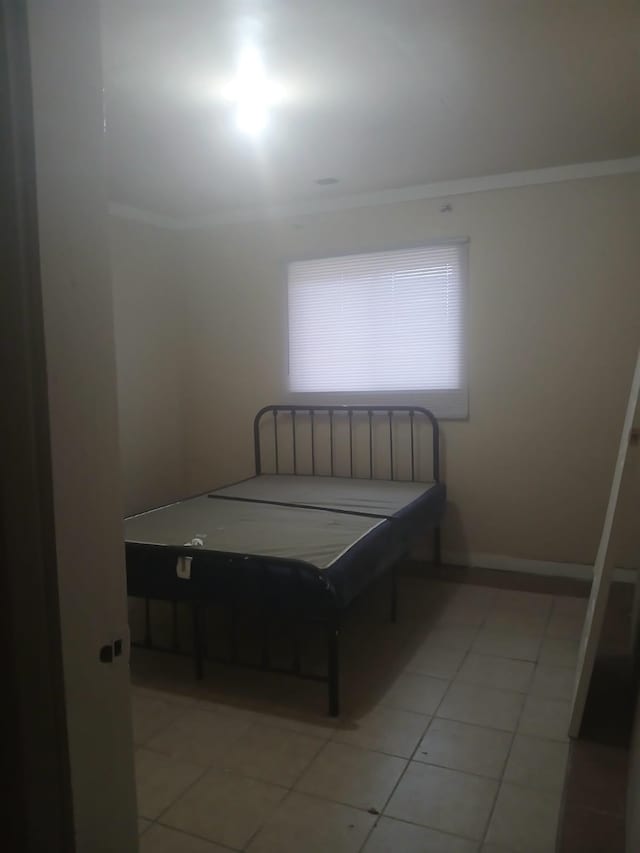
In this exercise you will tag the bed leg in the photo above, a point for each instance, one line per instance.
(297, 661)
(174, 625)
(147, 623)
(233, 634)
(197, 641)
(266, 648)
(334, 666)
(394, 594)
(437, 547)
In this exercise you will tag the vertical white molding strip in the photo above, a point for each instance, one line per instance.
(602, 570)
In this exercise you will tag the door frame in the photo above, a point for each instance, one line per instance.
(38, 801)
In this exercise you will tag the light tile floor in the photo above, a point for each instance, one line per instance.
(453, 736)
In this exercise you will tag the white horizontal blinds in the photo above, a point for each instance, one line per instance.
(377, 322)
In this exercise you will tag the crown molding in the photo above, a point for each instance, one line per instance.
(145, 217)
(441, 189)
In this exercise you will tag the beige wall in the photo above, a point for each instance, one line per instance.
(149, 306)
(554, 325)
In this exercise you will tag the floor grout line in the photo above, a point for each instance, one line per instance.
(393, 790)
(199, 837)
(499, 781)
(161, 730)
(402, 775)
(513, 738)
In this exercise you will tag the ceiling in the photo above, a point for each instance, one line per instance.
(379, 94)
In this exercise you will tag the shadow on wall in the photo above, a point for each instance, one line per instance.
(453, 537)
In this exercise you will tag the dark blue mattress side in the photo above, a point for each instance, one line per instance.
(151, 569)
(384, 546)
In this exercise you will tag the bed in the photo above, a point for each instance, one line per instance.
(339, 495)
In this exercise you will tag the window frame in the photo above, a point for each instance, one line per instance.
(446, 404)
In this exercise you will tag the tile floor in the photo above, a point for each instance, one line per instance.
(452, 736)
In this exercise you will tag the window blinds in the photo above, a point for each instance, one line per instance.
(387, 321)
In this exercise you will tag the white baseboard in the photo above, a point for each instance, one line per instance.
(578, 571)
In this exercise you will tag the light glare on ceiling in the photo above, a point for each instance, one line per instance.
(252, 93)
(251, 118)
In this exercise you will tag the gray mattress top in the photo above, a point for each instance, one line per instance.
(383, 498)
(318, 537)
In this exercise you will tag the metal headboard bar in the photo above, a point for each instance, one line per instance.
(390, 411)
(313, 446)
(350, 443)
(295, 456)
(391, 443)
(331, 438)
(413, 461)
(275, 432)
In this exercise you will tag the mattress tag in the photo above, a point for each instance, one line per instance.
(183, 568)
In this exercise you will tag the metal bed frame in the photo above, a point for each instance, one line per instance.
(289, 589)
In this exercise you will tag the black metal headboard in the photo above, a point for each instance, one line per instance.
(347, 441)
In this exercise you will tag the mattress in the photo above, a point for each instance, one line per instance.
(377, 498)
(314, 536)
(347, 530)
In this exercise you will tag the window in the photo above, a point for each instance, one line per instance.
(381, 323)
